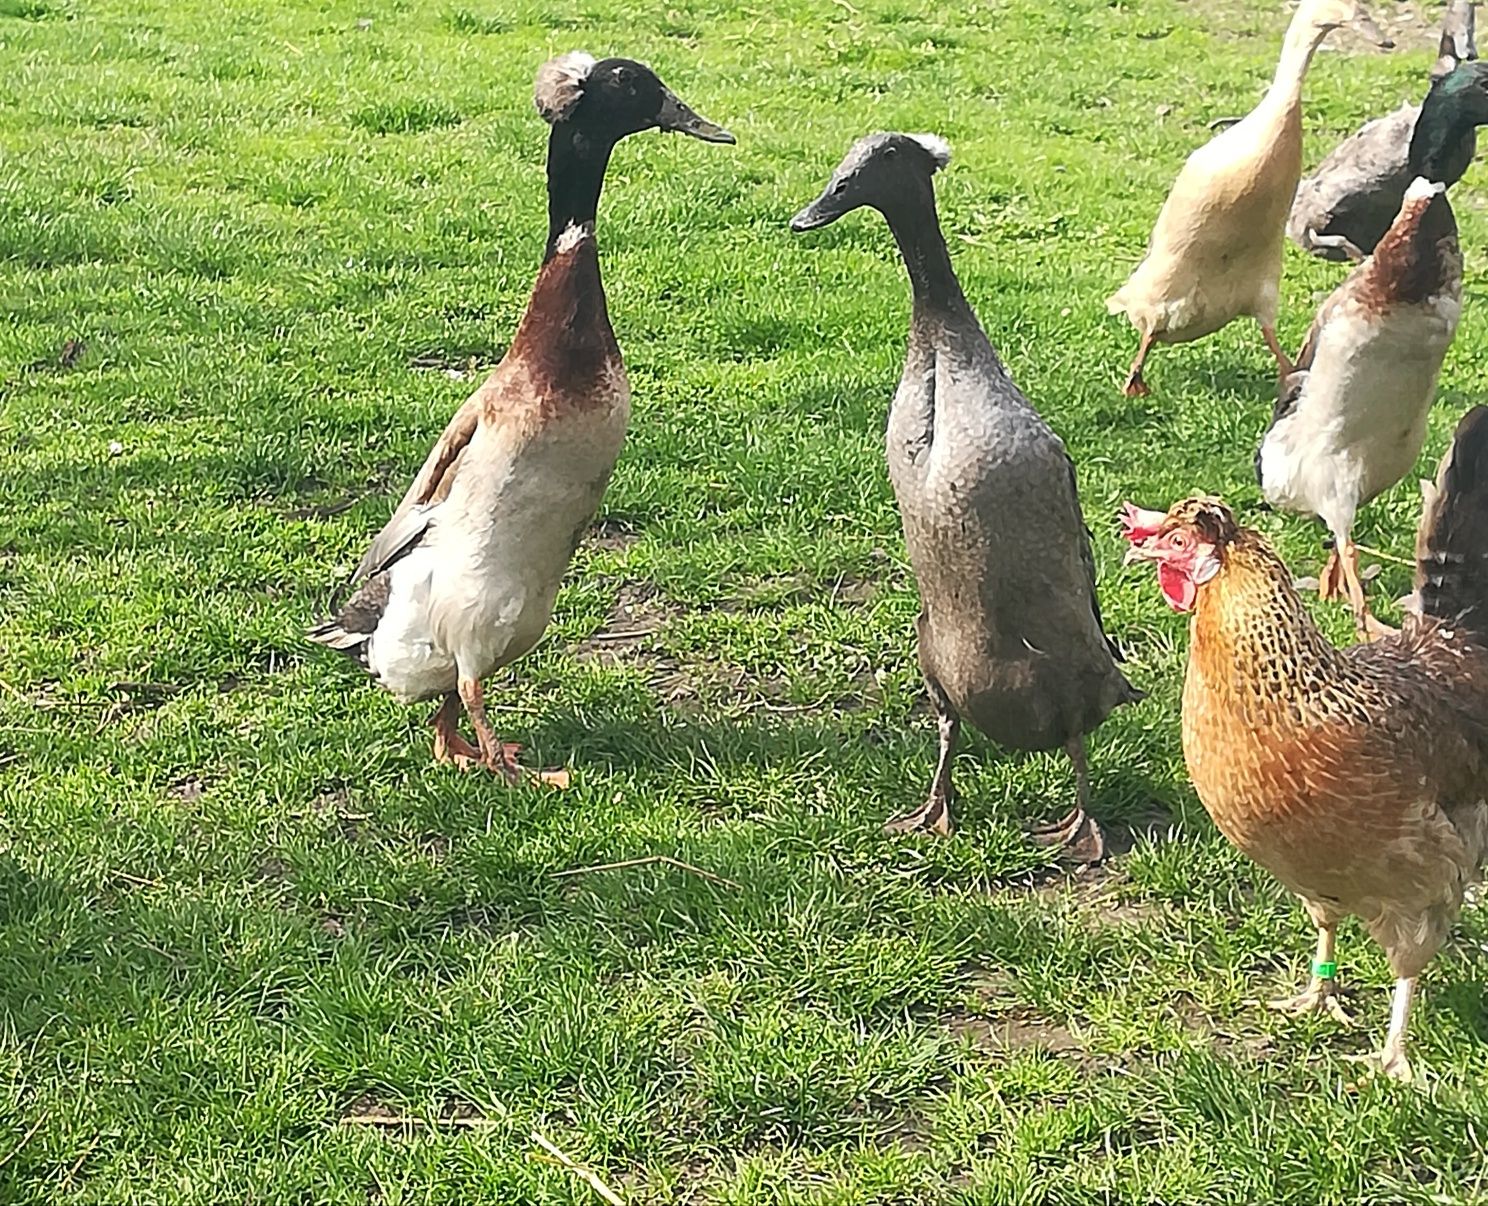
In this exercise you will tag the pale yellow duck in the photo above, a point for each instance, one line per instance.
(1215, 253)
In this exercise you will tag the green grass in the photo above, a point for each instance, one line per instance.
(238, 902)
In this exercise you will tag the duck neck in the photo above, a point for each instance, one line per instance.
(916, 228)
(1302, 41)
(577, 159)
(1443, 143)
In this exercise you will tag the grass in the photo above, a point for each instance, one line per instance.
(237, 902)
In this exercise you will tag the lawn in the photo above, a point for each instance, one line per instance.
(240, 908)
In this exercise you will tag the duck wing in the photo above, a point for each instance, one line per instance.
(430, 487)
(357, 619)
(1087, 558)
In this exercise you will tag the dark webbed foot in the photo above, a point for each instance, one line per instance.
(1076, 834)
(933, 816)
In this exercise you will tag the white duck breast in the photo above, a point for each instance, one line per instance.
(478, 591)
(1360, 421)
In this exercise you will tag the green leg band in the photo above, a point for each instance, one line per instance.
(1324, 971)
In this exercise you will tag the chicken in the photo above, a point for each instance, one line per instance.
(1356, 776)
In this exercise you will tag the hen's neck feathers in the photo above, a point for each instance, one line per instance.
(1251, 632)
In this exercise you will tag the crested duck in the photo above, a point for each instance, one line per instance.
(1350, 421)
(462, 579)
(1009, 630)
(1215, 252)
(1344, 208)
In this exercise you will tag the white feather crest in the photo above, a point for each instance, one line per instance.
(1421, 188)
(939, 148)
(560, 85)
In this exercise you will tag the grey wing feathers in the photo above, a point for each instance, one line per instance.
(1452, 542)
(430, 487)
(401, 533)
(1087, 557)
(356, 620)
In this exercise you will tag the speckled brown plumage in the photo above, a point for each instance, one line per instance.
(1355, 776)
(1359, 776)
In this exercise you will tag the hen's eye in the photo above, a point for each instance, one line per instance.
(1180, 541)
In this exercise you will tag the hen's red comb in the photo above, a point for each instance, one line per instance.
(1140, 525)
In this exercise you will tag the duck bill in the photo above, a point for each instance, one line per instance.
(821, 212)
(678, 118)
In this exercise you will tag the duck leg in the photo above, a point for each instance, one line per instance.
(449, 744)
(1077, 833)
(1135, 386)
(497, 756)
(1284, 366)
(1366, 626)
(934, 815)
(1331, 578)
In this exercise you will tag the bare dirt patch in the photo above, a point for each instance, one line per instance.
(629, 637)
(1018, 1030)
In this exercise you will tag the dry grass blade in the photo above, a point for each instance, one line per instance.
(374, 1115)
(588, 1176)
(399, 1121)
(1390, 557)
(649, 860)
(25, 1139)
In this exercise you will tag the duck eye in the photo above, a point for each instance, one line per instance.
(839, 188)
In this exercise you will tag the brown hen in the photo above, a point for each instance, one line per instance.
(1356, 776)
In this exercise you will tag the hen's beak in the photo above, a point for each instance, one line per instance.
(1140, 527)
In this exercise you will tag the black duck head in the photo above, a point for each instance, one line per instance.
(611, 98)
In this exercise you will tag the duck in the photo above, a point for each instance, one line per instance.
(1215, 253)
(1344, 208)
(1350, 421)
(462, 580)
(1009, 633)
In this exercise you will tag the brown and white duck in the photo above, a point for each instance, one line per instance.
(1350, 421)
(462, 580)
(1343, 209)
(1010, 630)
